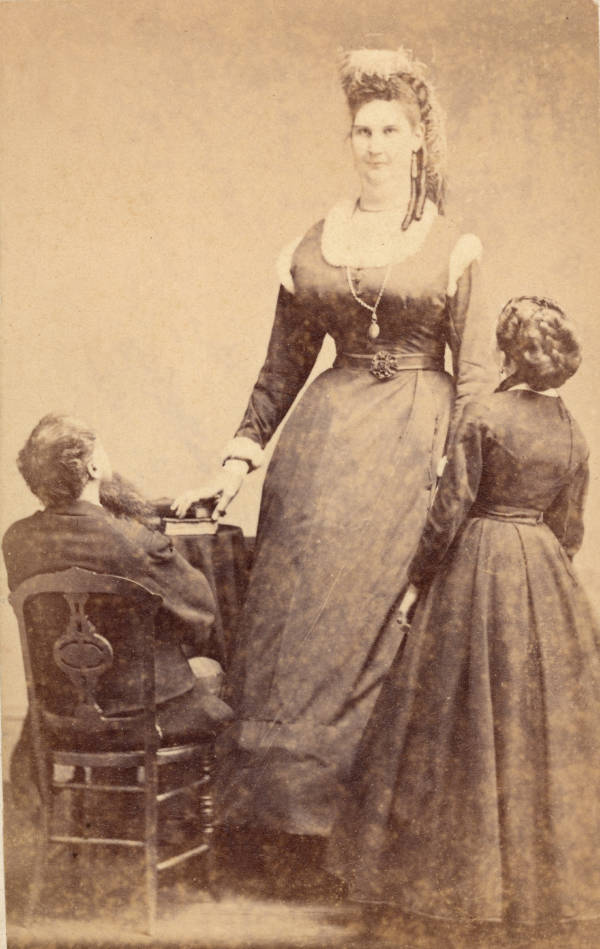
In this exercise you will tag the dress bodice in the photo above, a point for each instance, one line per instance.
(432, 298)
(412, 313)
(531, 448)
(516, 449)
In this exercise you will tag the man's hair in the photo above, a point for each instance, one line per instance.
(53, 460)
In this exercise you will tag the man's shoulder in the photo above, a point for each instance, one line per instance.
(24, 526)
(24, 547)
(123, 534)
(89, 537)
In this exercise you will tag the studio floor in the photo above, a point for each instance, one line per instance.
(101, 906)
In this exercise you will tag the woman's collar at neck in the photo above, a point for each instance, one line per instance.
(396, 245)
(507, 384)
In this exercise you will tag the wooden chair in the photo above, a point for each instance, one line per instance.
(77, 628)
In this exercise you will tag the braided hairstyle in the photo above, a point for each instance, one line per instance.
(540, 340)
(394, 75)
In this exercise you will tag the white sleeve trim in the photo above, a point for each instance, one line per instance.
(244, 448)
(441, 466)
(284, 265)
(467, 249)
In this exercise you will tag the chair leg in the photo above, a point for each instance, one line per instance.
(77, 814)
(45, 770)
(207, 818)
(211, 871)
(39, 868)
(151, 846)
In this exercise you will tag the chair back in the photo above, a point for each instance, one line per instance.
(88, 651)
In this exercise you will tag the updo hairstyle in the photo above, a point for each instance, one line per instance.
(537, 336)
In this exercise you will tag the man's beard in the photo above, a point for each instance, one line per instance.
(122, 498)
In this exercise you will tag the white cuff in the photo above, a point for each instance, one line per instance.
(245, 449)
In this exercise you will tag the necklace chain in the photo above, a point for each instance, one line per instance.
(373, 331)
(374, 327)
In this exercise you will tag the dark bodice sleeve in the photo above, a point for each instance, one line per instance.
(296, 339)
(456, 493)
(470, 333)
(564, 517)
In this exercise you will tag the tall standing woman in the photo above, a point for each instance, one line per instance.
(350, 483)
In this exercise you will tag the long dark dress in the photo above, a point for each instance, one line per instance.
(476, 790)
(344, 502)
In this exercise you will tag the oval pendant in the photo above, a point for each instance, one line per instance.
(373, 331)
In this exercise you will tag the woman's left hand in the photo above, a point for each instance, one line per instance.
(408, 601)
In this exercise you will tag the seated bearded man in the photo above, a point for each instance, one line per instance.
(96, 520)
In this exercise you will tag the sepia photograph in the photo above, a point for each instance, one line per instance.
(300, 509)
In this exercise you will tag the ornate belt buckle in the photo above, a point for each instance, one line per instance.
(384, 365)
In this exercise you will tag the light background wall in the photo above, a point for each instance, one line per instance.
(158, 154)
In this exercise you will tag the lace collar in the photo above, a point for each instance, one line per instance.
(391, 245)
(523, 385)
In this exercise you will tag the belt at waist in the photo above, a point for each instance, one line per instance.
(511, 515)
(385, 364)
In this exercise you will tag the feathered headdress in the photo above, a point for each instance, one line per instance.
(368, 74)
(385, 63)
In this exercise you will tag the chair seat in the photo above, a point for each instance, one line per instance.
(124, 739)
(192, 717)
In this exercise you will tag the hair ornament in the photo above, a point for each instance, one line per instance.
(385, 63)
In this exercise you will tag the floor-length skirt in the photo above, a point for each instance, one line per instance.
(344, 503)
(476, 790)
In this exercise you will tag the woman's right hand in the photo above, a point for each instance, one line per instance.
(224, 487)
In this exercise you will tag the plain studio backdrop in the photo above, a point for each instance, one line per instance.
(159, 153)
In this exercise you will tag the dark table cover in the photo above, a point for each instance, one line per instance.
(224, 558)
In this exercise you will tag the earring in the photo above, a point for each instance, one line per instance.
(422, 174)
(414, 175)
(414, 165)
